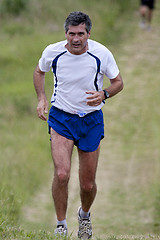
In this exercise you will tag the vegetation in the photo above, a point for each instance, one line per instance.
(13, 7)
(132, 128)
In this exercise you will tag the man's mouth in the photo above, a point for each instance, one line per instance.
(76, 45)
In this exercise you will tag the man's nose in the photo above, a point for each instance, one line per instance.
(76, 38)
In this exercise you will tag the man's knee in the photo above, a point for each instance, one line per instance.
(62, 176)
(88, 186)
(143, 10)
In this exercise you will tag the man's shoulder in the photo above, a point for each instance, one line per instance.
(55, 48)
(96, 46)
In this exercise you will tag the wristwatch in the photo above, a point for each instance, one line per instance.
(106, 94)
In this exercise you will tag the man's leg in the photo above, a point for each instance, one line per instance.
(143, 11)
(150, 12)
(87, 173)
(143, 14)
(61, 149)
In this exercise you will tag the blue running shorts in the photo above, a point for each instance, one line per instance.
(86, 132)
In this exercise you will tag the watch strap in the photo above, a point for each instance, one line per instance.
(106, 94)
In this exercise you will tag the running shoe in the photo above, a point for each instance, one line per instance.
(85, 226)
(142, 25)
(61, 230)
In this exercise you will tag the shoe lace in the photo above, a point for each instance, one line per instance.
(60, 229)
(85, 227)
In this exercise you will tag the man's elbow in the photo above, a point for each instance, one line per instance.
(121, 86)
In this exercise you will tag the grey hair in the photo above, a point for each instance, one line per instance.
(76, 18)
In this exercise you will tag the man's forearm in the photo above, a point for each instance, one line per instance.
(39, 82)
(116, 86)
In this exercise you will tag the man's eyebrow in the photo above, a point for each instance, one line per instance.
(70, 32)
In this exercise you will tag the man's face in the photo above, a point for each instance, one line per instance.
(77, 37)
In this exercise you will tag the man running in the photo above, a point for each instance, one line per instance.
(76, 118)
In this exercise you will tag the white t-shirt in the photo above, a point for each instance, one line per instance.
(76, 74)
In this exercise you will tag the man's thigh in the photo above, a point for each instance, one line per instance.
(88, 162)
(61, 149)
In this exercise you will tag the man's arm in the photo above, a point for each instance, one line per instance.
(97, 97)
(116, 86)
(39, 82)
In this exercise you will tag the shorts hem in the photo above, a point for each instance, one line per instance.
(91, 149)
(59, 132)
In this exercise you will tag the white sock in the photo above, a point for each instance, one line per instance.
(84, 214)
(63, 222)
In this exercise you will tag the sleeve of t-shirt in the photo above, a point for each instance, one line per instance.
(111, 68)
(45, 62)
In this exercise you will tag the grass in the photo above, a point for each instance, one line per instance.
(128, 201)
(20, 234)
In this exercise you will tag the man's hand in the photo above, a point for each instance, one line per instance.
(42, 108)
(95, 98)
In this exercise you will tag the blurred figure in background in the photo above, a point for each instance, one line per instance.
(146, 12)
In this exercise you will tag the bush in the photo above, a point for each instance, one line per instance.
(14, 7)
